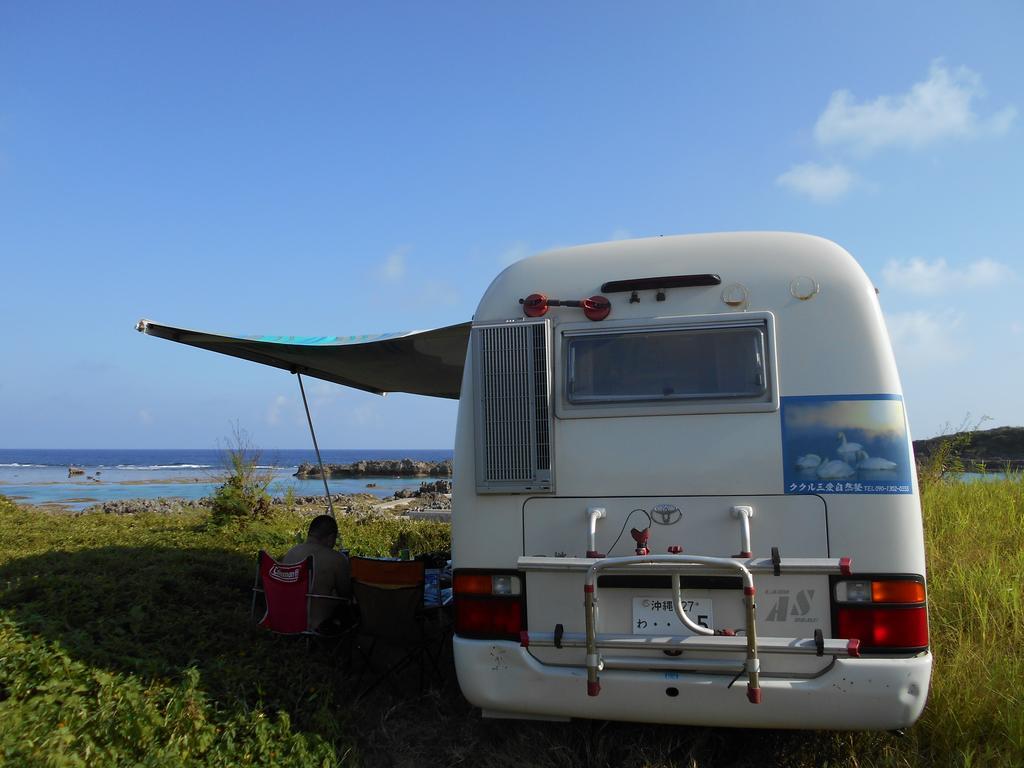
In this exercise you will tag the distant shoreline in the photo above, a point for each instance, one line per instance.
(183, 480)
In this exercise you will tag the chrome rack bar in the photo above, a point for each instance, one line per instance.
(842, 648)
(826, 566)
(744, 514)
(713, 666)
(594, 664)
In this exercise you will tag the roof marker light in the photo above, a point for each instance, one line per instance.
(804, 288)
(535, 305)
(596, 307)
(735, 295)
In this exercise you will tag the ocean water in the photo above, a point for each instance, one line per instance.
(40, 476)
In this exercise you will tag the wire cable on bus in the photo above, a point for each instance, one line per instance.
(628, 517)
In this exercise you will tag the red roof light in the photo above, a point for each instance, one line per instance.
(596, 307)
(535, 305)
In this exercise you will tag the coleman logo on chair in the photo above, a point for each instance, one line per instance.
(287, 574)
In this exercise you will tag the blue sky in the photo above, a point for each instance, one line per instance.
(328, 168)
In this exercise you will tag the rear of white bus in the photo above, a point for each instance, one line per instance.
(622, 475)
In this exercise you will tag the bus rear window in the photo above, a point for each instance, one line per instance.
(665, 365)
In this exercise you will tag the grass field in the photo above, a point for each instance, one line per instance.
(124, 640)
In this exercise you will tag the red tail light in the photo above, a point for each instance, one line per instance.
(490, 618)
(886, 613)
(880, 628)
(489, 606)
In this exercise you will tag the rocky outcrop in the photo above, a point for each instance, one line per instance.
(435, 488)
(991, 449)
(431, 489)
(382, 468)
(161, 506)
(435, 501)
(344, 503)
(438, 486)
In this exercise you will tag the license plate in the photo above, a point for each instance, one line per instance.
(657, 616)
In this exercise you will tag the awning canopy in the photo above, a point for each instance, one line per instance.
(418, 362)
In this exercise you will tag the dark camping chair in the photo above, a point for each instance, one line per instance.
(393, 624)
(288, 593)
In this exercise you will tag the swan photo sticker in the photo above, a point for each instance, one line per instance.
(845, 444)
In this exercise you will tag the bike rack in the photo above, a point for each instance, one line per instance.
(704, 639)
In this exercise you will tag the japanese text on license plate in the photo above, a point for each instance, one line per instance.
(657, 616)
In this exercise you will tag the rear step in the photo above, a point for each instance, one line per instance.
(704, 639)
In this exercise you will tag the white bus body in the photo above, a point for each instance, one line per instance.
(684, 485)
(740, 395)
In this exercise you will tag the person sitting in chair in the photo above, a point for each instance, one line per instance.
(331, 574)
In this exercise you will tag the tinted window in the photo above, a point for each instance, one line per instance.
(677, 364)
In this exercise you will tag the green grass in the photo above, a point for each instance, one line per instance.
(124, 640)
(975, 544)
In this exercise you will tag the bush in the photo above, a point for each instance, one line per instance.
(244, 490)
(944, 461)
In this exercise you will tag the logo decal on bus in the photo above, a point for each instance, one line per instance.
(784, 610)
(852, 444)
(666, 514)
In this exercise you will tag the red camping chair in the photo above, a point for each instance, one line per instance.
(288, 592)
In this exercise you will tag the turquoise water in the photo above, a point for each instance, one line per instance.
(80, 494)
(41, 476)
(985, 476)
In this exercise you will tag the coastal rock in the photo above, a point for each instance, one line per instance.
(161, 506)
(436, 501)
(344, 503)
(379, 467)
(437, 486)
(981, 449)
(427, 490)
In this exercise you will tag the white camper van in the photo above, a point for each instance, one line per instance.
(684, 487)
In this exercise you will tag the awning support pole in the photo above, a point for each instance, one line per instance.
(323, 475)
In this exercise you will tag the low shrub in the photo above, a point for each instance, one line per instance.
(244, 490)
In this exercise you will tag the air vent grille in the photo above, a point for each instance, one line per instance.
(541, 408)
(513, 425)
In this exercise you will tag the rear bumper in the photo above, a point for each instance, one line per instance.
(853, 694)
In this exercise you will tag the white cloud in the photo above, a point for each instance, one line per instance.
(322, 394)
(514, 253)
(322, 388)
(393, 267)
(363, 415)
(924, 339)
(435, 293)
(821, 183)
(932, 278)
(620, 234)
(275, 409)
(145, 416)
(941, 107)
